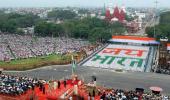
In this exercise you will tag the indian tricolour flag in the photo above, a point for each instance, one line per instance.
(168, 46)
(134, 39)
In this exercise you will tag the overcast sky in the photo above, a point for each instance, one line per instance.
(81, 3)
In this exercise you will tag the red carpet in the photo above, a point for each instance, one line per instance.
(53, 95)
(50, 95)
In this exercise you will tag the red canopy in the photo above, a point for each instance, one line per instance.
(157, 89)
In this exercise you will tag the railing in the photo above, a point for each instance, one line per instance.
(67, 94)
(91, 55)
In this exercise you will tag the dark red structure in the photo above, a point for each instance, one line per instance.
(132, 27)
(117, 13)
(108, 15)
(122, 15)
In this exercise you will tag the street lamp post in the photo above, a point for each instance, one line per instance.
(156, 3)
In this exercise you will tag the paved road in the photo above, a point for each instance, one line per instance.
(108, 78)
(151, 23)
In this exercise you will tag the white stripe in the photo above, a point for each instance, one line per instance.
(135, 41)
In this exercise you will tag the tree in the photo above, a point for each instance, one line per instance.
(162, 29)
(158, 32)
(99, 34)
(40, 29)
(10, 22)
(81, 31)
(48, 29)
(150, 31)
(62, 14)
(68, 27)
(95, 22)
(129, 18)
(57, 30)
(117, 28)
(19, 31)
(9, 26)
(83, 11)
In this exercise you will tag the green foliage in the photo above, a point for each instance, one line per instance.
(62, 14)
(99, 34)
(83, 11)
(95, 22)
(129, 18)
(150, 31)
(161, 30)
(8, 26)
(19, 31)
(48, 29)
(165, 18)
(81, 30)
(117, 28)
(93, 29)
(10, 22)
(68, 27)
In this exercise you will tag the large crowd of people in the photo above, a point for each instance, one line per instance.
(131, 95)
(120, 94)
(163, 71)
(14, 46)
(15, 85)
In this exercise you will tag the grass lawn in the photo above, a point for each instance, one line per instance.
(30, 63)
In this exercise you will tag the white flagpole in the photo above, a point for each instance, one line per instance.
(72, 65)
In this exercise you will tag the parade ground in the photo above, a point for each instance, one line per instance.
(108, 78)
